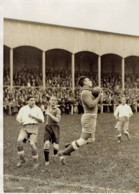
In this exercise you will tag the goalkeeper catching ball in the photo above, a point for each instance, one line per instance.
(88, 119)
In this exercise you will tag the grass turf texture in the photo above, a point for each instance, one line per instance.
(103, 166)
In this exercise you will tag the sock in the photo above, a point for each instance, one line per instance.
(128, 135)
(46, 155)
(21, 155)
(68, 150)
(55, 152)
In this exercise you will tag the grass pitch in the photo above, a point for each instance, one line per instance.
(100, 167)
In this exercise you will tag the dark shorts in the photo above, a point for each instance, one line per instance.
(52, 133)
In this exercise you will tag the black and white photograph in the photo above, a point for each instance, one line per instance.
(70, 96)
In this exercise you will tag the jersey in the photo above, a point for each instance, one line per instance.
(123, 111)
(23, 117)
(56, 113)
(89, 102)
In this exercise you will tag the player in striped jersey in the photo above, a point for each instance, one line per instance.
(52, 129)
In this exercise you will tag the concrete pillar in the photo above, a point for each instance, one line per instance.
(123, 73)
(73, 77)
(73, 72)
(99, 71)
(11, 69)
(43, 69)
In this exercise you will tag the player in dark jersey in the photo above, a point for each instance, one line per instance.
(52, 129)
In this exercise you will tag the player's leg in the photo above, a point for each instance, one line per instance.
(126, 131)
(47, 140)
(76, 144)
(119, 126)
(56, 149)
(86, 121)
(33, 141)
(20, 148)
(55, 139)
(93, 126)
(46, 151)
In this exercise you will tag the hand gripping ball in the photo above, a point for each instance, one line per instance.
(96, 91)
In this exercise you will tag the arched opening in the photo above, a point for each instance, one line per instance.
(58, 68)
(27, 66)
(111, 71)
(132, 72)
(86, 63)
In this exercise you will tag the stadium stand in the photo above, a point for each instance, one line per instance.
(29, 81)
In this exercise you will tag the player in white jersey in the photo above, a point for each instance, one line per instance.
(122, 113)
(29, 116)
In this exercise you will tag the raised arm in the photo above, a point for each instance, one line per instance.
(87, 99)
(56, 118)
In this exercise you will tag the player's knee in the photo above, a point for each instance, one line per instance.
(80, 142)
(47, 145)
(118, 131)
(56, 146)
(126, 132)
(19, 143)
(119, 135)
(33, 145)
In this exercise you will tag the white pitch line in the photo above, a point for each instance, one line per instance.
(75, 184)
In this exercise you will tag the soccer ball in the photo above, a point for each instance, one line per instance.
(96, 91)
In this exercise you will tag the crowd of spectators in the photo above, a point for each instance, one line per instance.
(29, 82)
(33, 77)
(14, 100)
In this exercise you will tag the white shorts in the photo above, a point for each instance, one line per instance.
(88, 122)
(29, 132)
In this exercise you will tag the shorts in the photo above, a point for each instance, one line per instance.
(122, 124)
(88, 122)
(52, 133)
(29, 132)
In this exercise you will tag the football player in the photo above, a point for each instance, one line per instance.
(88, 119)
(29, 116)
(52, 129)
(122, 113)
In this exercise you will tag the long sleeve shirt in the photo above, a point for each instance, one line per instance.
(89, 102)
(23, 115)
(123, 111)
(56, 113)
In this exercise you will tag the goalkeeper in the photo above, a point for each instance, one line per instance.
(88, 119)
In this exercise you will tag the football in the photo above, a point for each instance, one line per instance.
(96, 91)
